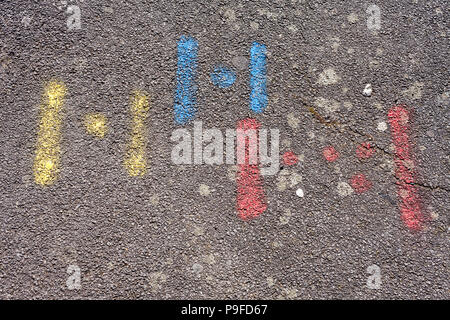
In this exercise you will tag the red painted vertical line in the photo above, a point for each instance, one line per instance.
(251, 199)
(399, 119)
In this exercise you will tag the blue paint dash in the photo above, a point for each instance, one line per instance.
(185, 95)
(258, 78)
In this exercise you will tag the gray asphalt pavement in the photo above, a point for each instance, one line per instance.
(174, 232)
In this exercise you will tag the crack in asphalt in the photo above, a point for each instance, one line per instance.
(343, 127)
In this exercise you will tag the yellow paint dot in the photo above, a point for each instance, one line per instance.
(96, 124)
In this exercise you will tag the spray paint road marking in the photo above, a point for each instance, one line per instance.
(360, 183)
(135, 158)
(365, 150)
(290, 158)
(185, 95)
(330, 154)
(408, 195)
(258, 78)
(48, 151)
(222, 76)
(251, 199)
(96, 124)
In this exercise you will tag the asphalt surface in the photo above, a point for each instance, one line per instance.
(174, 233)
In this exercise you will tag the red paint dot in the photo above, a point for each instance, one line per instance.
(365, 150)
(290, 158)
(360, 183)
(330, 154)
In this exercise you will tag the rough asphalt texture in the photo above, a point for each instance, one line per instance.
(158, 237)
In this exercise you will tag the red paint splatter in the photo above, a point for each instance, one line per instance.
(408, 195)
(251, 199)
(290, 158)
(365, 150)
(360, 183)
(330, 153)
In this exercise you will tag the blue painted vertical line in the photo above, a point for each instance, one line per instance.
(258, 78)
(185, 95)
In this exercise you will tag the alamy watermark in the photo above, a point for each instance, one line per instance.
(242, 146)
(74, 280)
(374, 18)
(74, 18)
(73, 12)
(374, 281)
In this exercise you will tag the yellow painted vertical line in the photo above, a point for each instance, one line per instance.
(135, 158)
(48, 151)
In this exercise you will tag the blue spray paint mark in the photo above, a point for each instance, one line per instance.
(222, 77)
(258, 78)
(185, 95)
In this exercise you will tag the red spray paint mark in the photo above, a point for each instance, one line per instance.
(290, 158)
(251, 199)
(408, 195)
(360, 183)
(330, 153)
(365, 150)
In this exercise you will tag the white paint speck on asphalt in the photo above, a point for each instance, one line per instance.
(204, 190)
(348, 105)
(270, 282)
(292, 28)
(352, 18)
(328, 105)
(254, 25)
(415, 91)
(230, 15)
(328, 76)
(344, 189)
(300, 193)
(292, 120)
(197, 268)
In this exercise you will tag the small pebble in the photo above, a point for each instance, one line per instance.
(382, 126)
(368, 90)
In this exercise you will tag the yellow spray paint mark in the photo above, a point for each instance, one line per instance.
(135, 159)
(96, 124)
(47, 157)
